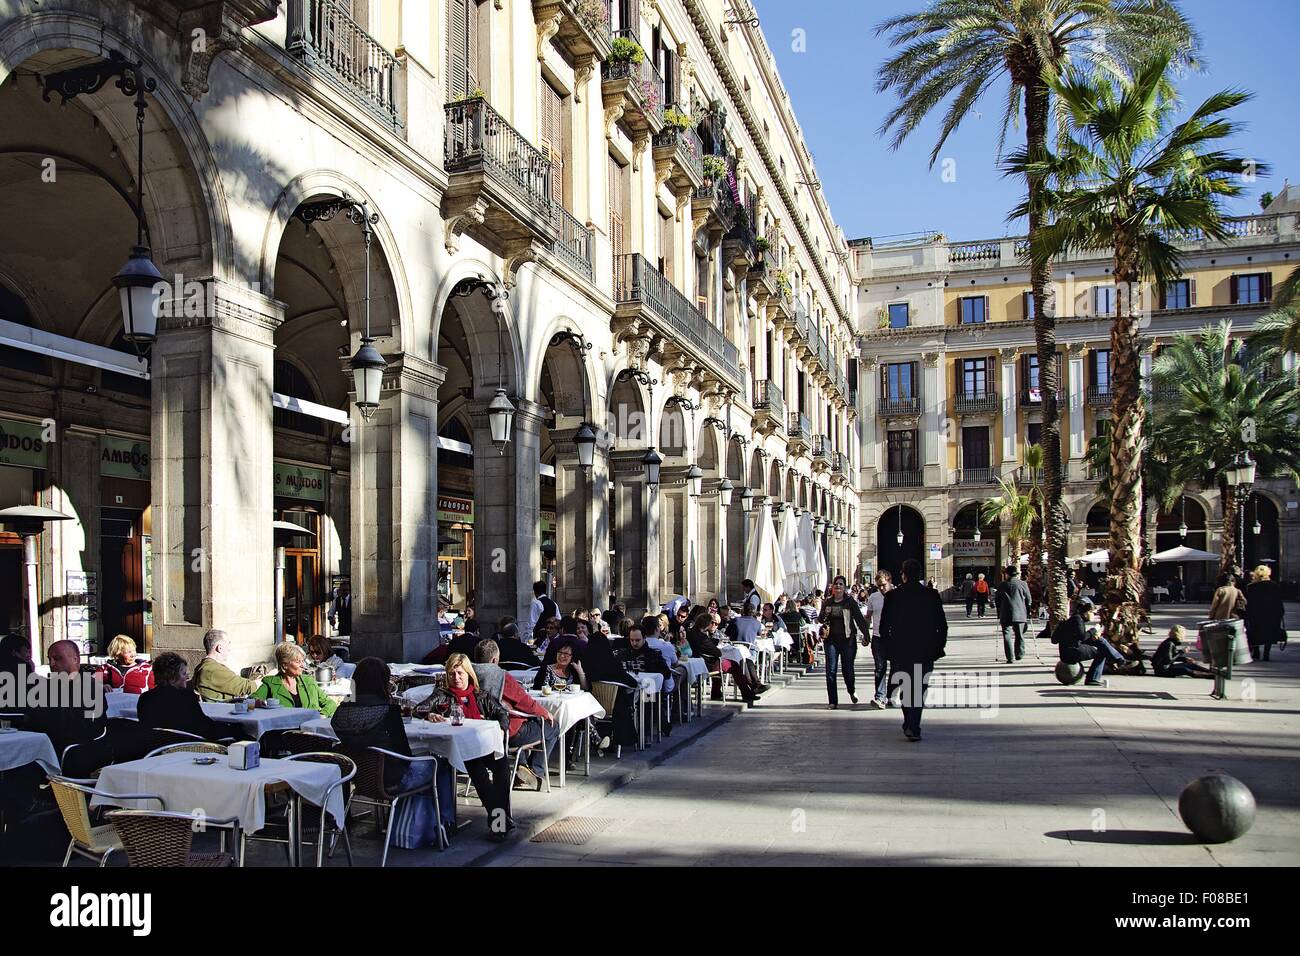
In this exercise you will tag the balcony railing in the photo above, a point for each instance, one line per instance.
(1237, 227)
(802, 330)
(975, 251)
(978, 476)
(584, 25)
(1034, 396)
(687, 150)
(768, 398)
(799, 427)
(1164, 393)
(889, 407)
(323, 36)
(1099, 396)
(646, 81)
(821, 447)
(900, 479)
(636, 280)
(839, 463)
(967, 402)
(715, 200)
(574, 246)
(478, 137)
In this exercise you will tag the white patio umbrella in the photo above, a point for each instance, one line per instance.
(1183, 553)
(1096, 557)
(807, 560)
(823, 572)
(763, 564)
(791, 556)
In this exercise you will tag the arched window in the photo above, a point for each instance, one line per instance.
(289, 380)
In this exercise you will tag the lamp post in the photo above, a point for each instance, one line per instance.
(28, 521)
(1241, 476)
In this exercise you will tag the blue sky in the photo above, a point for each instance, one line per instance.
(874, 191)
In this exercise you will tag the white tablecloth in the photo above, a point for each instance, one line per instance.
(651, 683)
(262, 719)
(474, 738)
(118, 703)
(783, 640)
(401, 670)
(569, 708)
(18, 748)
(765, 645)
(217, 790)
(696, 668)
(739, 653)
(339, 689)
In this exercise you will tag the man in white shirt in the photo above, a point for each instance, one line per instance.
(875, 608)
(541, 610)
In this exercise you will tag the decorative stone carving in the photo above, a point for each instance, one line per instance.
(1008, 355)
(547, 27)
(454, 227)
(583, 68)
(515, 259)
(213, 28)
(639, 146)
(931, 359)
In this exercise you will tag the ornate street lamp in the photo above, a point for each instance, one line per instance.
(652, 462)
(747, 500)
(695, 479)
(1241, 476)
(585, 440)
(725, 489)
(900, 527)
(501, 417)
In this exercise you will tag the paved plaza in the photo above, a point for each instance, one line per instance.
(1057, 776)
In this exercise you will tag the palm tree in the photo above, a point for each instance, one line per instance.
(1224, 402)
(956, 51)
(1034, 469)
(1129, 180)
(1015, 510)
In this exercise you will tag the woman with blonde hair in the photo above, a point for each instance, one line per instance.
(292, 686)
(121, 671)
(1265, 615)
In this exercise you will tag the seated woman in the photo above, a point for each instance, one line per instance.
(320, 652)
(1079, 643)
(372, 719)
(561, 667)
(1170, 658)
(490, 774)
(121, 671)
(291, 687)
(171, 705)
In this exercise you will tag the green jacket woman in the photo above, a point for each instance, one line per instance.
(292, 663)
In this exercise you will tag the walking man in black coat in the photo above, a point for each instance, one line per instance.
(914, 631)
(1013, 602)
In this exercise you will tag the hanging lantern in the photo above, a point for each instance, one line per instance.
(899, 539)
(501, 417)
(747, 501)
(585, 440)
(368, 377)
(1257, 527)
(652, 462)
(135, 287)
(725, 488)
(695, 480)
(976, 536)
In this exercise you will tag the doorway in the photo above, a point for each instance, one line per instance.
(304, 606)
(122, 575)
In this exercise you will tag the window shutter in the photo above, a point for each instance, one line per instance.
(676, 73)
(458, 85)
(1191, 292)
(986, 308)
(990, 375)
(884, 382)
(616, 208)
(1266, 286)
(550, 112)
(1232, 289)
(1024, 304)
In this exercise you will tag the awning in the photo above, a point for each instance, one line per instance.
(1183, 553)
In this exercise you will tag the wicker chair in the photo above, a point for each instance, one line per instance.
(371, 790)
(607, 696)
(96, 843)
(196, 746)
(164, 839)
(277, 830)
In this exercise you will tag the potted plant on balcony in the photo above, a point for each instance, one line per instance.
(715, 167)
(783, 283)
(594, 13)
(676, 119)
(761, 244)
(626, 50)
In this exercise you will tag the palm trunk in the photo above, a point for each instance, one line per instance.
(1228, 536)
(1036, 562)
(1040, 278)
(1124, 583)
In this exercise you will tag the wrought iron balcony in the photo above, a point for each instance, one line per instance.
(762, 274)
(840, 467)
(642, 292)
(636, 89)
(584, 26)
(966, 403)
(1034, 396)
(769, 405)
(800, 327)
(1099, 396)
(977, 476)
(493, 168)
(1164, 393)
(898, 407)
(900, 479)
(799, 432)
(1029, 476)
(821, 451)
(328, 41)
(574, 246)
(738, 246)
(714, 206)
(679, 154)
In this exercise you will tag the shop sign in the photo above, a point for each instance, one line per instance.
(936, 552)
(23, 443)
(123, 457)
(455, 510)
(969, 548)
(298, 481)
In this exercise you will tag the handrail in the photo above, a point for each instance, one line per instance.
(320, 33)
(478, 136)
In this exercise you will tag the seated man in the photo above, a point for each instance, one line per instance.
(637, 656)
(499, 684)
(61, 711)
(172, 705)
(513, 650)
(1078, 645)
(213, 679)
(1170, 658)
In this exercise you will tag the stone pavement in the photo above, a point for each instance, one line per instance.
(1053, 775)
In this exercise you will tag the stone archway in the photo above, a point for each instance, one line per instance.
(904, 520)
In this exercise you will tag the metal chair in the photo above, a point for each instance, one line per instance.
(93, 842)
(161, 838)
(196, 746)
(371, 790)
(517, 753)
(606, 695)
(280, 832)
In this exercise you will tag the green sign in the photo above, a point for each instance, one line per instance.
(298, 481)
(123, 458)
(455, 510)
(22, 443)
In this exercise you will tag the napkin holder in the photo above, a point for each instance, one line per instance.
(244, 755)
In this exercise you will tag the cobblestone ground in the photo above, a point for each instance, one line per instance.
(1052, 775)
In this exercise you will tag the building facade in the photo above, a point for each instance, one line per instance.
(602, 209)
(950, 397)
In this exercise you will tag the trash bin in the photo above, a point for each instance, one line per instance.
(1220, 641)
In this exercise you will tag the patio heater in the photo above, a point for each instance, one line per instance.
(284, 531)
(28, 521)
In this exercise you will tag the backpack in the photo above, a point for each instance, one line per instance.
(981, 587)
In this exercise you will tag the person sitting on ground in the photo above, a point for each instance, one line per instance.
(121, 671)
(1170, 658)
(1079, 643)
(373, 719)
(499, 684)
(213, 679)
(291, 686)
(173, 705)
(489, 774)
(322, 653)
(513, 650)
(1265, 615)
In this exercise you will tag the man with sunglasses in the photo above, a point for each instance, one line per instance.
(842, 624)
